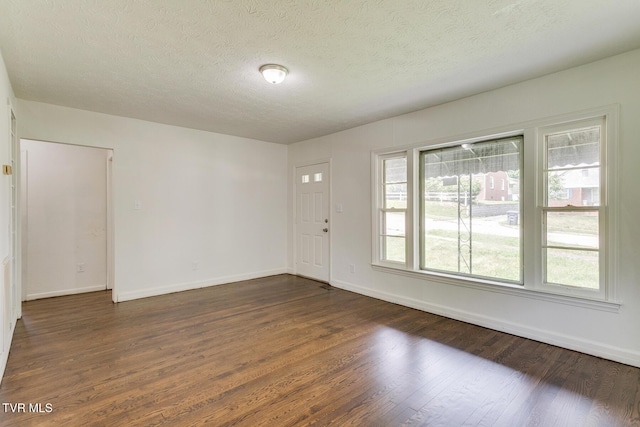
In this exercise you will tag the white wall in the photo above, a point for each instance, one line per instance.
(7, 308)
(212, 199)
(613, 335)
(65, 220)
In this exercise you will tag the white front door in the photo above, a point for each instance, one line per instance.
(312, 221)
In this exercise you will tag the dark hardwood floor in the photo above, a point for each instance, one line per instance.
(284, 351)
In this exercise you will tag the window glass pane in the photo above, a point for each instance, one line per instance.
(393, 248)
(394, 223)
(395, 170)
(395, 196)
(573, 229)
(395, 183)
(573, 268)
(305, 179)
(573, 148)
(575, 187)
(317, 177)
(470, 226)
(440, 244)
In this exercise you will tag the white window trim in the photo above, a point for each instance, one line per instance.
(378, 202)
(533, 287)
(602, 209)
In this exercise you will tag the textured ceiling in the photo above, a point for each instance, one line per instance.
(195, 63)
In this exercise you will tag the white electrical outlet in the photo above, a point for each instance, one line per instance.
(137, 204)
(80, 268)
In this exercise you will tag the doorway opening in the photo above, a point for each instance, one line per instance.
(67, 223)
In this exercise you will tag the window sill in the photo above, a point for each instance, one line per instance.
(504, 288)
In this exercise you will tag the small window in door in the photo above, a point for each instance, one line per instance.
(305, 179)
(317, 177)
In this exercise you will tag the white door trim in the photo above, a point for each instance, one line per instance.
(16, 223)
(110, 232)
(295, 205)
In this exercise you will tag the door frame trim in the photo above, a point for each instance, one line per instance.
(294, 237)
(14, 216)
(110, 231)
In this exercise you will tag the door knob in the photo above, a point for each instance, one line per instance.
(325, 230)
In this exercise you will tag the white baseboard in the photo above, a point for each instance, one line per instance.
(179, 287)
(550, 337)
(72, 291)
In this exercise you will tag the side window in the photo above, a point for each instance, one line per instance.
(572, 206)
(393, 208)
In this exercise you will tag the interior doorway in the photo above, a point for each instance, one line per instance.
(66, 219)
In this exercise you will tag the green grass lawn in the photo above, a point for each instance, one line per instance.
(579, 224)
(499, 257)
(491, 256)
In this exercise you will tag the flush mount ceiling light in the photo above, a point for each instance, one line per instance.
(274, 73)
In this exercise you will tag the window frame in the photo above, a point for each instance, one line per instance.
(604, 223)
(488, 182)
(532, 185)
(381, 209)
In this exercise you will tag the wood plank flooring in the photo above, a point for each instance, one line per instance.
(284, 351)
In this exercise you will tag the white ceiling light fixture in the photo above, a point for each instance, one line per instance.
(274, 73)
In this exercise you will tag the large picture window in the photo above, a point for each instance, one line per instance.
(468, 225)
(530, 209)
